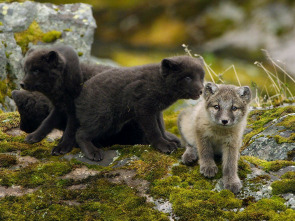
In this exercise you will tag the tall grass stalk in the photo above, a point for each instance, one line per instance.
(281, 89)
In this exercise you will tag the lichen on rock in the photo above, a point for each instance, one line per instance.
(27, 24)
(272, 133)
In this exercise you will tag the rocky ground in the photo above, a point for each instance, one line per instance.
(139, 183)
(132, 182)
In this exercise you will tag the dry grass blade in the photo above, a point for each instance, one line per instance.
(269, 74)
(274, 63)
(264, 96)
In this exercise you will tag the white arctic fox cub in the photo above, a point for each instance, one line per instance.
(215, 127)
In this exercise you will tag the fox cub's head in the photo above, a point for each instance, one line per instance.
(184, 76)
(226, 105)
(43, 68)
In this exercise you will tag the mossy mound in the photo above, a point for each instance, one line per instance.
(55, 196)
(258, 119)
(7, 160)
(269, 165)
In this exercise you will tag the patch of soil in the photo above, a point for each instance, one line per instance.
(15, 191)
(128, 177)
(80, 173)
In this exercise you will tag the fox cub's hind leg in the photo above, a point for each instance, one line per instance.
(190, 155)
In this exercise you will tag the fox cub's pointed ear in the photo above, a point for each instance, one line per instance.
(52, 57)
(245, 93)
(168, 65)
(210, 88)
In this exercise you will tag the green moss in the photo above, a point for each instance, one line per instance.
(289, 175)
(283, 186)
(291, 154)
(7, 160)
(243, 168)
(288, 214)
(226, 199)
(7, 54)
(153, 165)
(35, 174)
(11, 146)
(171, 122)
(279, 139)
(34, 34)
(9, 120)
(101, 200)
(260, 179)
(1, 23)
(51, 36)
(248, 200)
(288, 122)
(162, 188)
(264, 209)
(129, 150)
(194, 204)
(190, 204)
(39, 152)
(5, 89)
(180, 170)
(269, 165)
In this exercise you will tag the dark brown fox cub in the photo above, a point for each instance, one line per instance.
(113, 98)
(56, 73)
(34, 107)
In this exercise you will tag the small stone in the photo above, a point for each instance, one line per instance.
(80, 173)
(291, 203)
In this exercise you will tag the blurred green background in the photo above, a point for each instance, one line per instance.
(225, 33)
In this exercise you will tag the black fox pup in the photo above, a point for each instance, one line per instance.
(34, 107)
(115, 97)
(56, 73)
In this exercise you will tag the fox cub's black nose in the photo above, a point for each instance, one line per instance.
(224, 122)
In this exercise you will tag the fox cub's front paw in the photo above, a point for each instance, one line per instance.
(33, 138)
(234, 186)
(208, 170)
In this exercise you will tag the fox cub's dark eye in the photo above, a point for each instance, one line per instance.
(188, 79)
(234, 108)
(216, 107)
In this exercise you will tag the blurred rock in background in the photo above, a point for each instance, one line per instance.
(24, 25)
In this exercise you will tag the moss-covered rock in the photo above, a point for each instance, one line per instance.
(265, 209)
(33, 35)
(272, 133)
(44, 24)
(269, 165)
